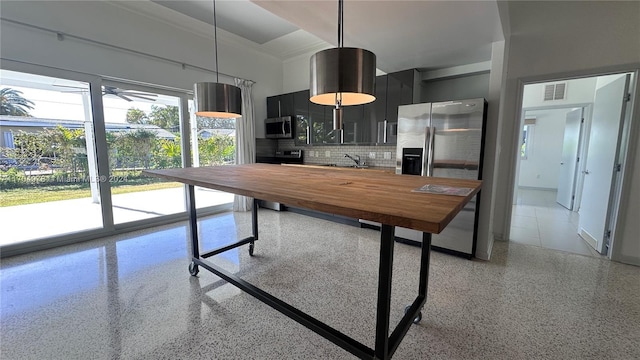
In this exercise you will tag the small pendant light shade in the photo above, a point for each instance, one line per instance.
(218, 100)
(347, 74)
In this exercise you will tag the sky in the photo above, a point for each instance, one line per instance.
(68, 105)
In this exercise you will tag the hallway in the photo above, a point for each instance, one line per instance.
(538, 220)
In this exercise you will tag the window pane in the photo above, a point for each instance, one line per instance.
(143, 132)
(213, 143)
(48, 171)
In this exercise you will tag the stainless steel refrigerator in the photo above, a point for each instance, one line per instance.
(444, 139)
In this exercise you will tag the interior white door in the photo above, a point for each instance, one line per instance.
(604, 138)
(569, 161)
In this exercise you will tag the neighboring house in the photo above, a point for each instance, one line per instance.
(10, 125)
(208, 133)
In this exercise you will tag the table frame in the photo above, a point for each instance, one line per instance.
(385, 343)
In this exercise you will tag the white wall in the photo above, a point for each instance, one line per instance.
(541, 168)
(117, 25)
(295, 73)
(581, 38)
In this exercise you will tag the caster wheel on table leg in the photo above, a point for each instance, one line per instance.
(193, 269)
(418, 317)
(251, 246)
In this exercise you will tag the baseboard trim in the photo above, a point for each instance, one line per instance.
(631, 260)
(588, 238)
(537, 188)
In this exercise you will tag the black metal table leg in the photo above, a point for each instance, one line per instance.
(425, 260)
(254, 225)
(254, 218)
(384, 292)
(193, 228)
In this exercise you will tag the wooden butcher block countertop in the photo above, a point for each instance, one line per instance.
(371, 195)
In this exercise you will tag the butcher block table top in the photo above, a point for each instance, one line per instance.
(370, 195)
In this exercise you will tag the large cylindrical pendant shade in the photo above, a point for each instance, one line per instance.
(218, 100)
(350, 72)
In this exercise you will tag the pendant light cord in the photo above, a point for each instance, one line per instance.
(340, 42)
(340, 24)
(215, 40)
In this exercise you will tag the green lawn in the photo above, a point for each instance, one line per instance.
(32, 195)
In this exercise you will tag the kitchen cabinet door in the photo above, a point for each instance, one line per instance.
(376, 111)
(301, 111)
(399, 92)
(273, 105)
(353, 124)
(318, 123)
(286, 105)
(280, 105)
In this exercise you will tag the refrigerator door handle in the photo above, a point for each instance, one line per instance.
(425, 161)
(430, 138)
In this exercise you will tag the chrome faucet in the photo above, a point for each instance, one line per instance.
(355, 160)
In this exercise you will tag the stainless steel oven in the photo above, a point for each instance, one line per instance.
(279, 128)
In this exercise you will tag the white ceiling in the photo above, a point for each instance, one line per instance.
(240, 17)
(403, 34)
(422, 34)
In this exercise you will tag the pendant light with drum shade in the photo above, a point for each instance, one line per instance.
(342, 76)
(214, 99)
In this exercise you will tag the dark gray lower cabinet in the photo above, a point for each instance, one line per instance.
(326, 216)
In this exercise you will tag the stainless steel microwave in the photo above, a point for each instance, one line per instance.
(279, 128)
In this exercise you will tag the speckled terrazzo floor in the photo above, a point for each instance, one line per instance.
(131, 297)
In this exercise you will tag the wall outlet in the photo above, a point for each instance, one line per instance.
(387, 155)
(327, 153)
(372, 155)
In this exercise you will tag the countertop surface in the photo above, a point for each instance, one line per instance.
(370, 195)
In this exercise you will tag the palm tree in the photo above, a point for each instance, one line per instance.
(12, 103)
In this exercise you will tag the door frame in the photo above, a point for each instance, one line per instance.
(628, 142)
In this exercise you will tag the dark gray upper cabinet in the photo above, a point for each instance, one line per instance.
(376, 111)
(373, 123)
(392, 90)
(301, 117)
(280, 105)
(321, 120)
(356, 131)
(399, 92)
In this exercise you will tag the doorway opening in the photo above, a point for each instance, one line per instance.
(573, 140)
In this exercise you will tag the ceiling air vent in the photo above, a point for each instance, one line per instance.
(555, 91)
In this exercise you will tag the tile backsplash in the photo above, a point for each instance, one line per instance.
(371, 155)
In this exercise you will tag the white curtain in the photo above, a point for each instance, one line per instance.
(245, 139)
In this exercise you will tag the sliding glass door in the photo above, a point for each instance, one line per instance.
(57, 127)
(142, 132)
(48, 179)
